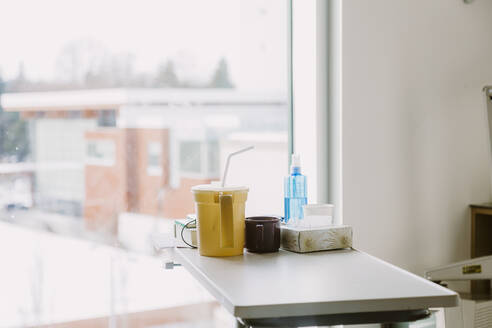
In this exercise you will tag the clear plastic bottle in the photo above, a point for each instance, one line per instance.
(295, 193)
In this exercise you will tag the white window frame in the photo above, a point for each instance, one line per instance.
(101, 161)
(316, 97)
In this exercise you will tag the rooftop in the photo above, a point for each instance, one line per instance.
(101, 99)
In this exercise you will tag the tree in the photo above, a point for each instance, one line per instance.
(166, 76)
(221, 77)
(112, 71)
(21, 75)
(79, 59)
(86, 63)
(13, 133)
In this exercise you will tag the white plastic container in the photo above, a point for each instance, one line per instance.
(317, 215)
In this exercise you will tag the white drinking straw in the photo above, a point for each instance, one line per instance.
(229, 159)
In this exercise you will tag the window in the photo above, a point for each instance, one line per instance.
(154, 165)
(105, 125)
(100, 152)
(190, 157)
(199, 159)
(106, 118)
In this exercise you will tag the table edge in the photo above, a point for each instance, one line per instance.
(327, 308)
(298, 309)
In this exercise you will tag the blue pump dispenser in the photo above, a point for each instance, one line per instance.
(295, 192)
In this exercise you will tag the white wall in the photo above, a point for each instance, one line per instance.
(414, 137)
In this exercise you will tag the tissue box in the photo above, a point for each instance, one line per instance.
(189, 233)
(302, 240)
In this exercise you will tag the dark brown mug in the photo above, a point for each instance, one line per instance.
(262, 234)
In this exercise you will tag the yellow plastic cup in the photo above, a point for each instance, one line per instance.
(220, 219)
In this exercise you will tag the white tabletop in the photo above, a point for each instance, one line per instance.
(289, 284)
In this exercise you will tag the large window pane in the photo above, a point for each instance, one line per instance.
(110, 112)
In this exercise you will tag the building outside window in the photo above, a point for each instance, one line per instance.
(190, 157)
(213, 158)
(154, 160)
(100, 152)
(199, 159)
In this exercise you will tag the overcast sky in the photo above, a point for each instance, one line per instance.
(196, 33)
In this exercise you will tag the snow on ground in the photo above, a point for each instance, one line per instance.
(47, 278)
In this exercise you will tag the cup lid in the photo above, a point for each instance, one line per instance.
(216, 186)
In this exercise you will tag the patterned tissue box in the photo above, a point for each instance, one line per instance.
(302, 240)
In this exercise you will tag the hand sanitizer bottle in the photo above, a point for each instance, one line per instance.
(295, 192)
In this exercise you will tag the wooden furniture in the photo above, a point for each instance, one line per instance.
(481, 241)
(321, 288)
